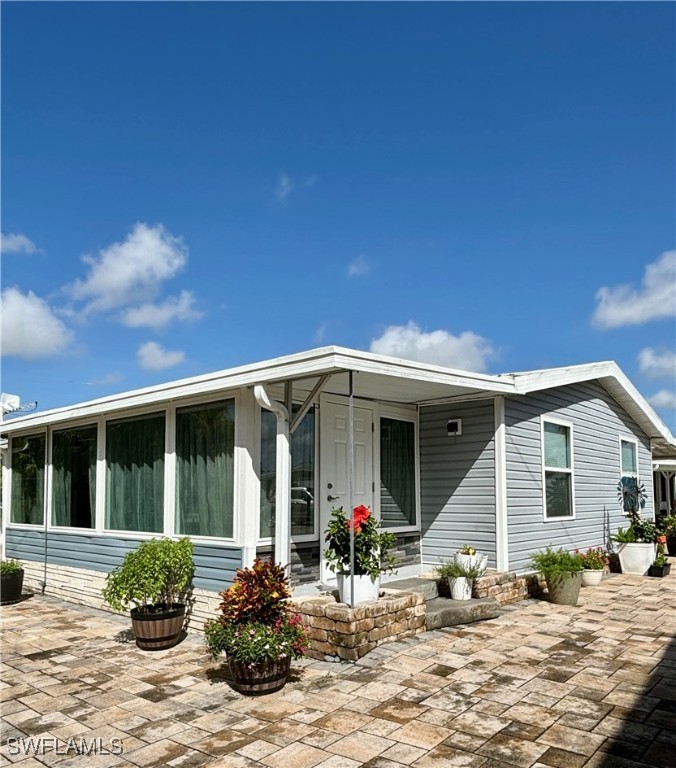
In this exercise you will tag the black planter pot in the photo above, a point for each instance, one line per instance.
(11, 586)
(659, 571)
(265, 677)
(671, 545)
(158, 629)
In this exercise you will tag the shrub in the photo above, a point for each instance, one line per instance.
(453, 570)
(557, 561)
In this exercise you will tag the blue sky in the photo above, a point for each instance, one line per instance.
(188, 187)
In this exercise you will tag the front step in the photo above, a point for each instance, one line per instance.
(442, 611)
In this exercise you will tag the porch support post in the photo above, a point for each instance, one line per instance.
(350, 480)
(501, 532)
(282, 553)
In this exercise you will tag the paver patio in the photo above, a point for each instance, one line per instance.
(542, 685)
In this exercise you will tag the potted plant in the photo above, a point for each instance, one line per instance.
(636, 544)
(11, 581)
(256, 631)
(371, 553)
(468, 557)
(660, 566)
(153, 582)
(594, 561)
(460, 578)
(668, 525)
(563, 573)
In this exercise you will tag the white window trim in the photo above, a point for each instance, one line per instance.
(569, 470)
(628, 439)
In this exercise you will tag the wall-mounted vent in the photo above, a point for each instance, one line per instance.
(454, 427)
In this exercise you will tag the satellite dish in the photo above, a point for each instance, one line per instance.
(12, 404)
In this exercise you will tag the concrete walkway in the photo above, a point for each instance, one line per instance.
(542, 685)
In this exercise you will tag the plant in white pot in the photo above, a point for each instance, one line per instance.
(636, 544)
(460, 578)
(594, 561)
(371, 553)
(468, 557)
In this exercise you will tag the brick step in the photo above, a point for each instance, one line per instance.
(444, 612)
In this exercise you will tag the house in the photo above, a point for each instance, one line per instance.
(252, 460)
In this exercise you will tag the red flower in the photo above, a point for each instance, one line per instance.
(662, 539)
(361, 515)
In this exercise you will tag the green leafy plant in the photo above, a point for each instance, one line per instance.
(10, 566)
(452, 570)
(467, 550)
(594, 559)
(624, 536)
(153, 577)
(256, 624)
(667, 525)
(632, 496)
(371, 547)
(557, 561)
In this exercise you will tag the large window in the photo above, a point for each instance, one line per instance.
(135, 474)
(397, 473)
(558, 469)
(205, 447)
(28, 479)
(302, 475)
(74, 477)
(628, 458)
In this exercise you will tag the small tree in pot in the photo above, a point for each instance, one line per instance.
(153, 583)
(563, 573)
(11, 581)
(637, 543)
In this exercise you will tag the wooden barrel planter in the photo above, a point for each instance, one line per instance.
(158, 630)
(11, 587)
(260, 679)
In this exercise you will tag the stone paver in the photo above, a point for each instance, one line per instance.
(542, 686)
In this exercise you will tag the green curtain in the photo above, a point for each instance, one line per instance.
(205, 448)
(397, 473)
(135, 474)
(28, 479)
(74, 477)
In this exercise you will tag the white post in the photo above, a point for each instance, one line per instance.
(350, 481)
(501, 532)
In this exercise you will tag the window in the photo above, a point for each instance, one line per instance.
(74, 477)
(558, 469)
(205, 449)
(302, 475)
(397, 473)
(28, 479)
(135, 474)
(628, 458)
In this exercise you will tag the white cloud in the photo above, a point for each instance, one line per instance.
(468, 351)
(320, 333)
(655, 364)
(158, 316)
(359, 267)
(131, 271)
(30, 328)
(107, 380)
(653, 300)
(665, 398)
(17, 244)
(284, 187)
(153, 357)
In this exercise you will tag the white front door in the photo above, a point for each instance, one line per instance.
(334, 463)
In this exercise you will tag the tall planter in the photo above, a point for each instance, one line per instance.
(158, 631)
(461, 588)
(261, 678)
(11, 586)
(364, 588)
(564, 587)
(636, 557)
(470, 561)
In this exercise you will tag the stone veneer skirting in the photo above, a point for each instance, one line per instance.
(338, 632)
(508, 587)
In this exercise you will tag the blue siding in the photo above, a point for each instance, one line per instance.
(215, 565)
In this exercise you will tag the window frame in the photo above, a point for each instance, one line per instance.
(633, 441)
(546, 419)
(96, 424)
(9, 476)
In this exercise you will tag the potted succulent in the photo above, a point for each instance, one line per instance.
(460, 578)
(153, 582)
(257, 632)
(660, 566)
(11, 581)
(563, 573)
(636, 544)
(594, 561)
(371, 553)
(468, 557)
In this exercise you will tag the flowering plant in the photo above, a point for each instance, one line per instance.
(594, 559)
(256, 624)
(661, 559)
(467, 550)
(371, 547)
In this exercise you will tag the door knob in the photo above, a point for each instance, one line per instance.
(332, 498)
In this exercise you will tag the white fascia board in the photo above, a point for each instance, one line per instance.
(315, 362)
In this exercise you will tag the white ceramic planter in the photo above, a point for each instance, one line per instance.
(470, 561)
(364, 588)
(636, 558)
(591, 578)
(461, 588)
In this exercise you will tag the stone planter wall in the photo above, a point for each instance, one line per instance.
(338, 632)
(509, 587)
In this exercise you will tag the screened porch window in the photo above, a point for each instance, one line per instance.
(28, 479)
(74, 477)
(205, 449)
(302, 475)
(628, 458)
(397, 473)
(135, 474)
(558, 470)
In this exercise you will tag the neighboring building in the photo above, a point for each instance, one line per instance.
(507, 463)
